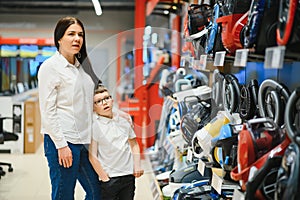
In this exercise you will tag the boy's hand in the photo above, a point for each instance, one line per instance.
(138, 173)
(104, 178)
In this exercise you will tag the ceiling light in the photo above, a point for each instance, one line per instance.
(97, 7)
(166, 12)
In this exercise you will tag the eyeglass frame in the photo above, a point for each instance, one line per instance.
(100, 101)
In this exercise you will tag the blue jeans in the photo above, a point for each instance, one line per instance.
(63, 180)
(119, 188)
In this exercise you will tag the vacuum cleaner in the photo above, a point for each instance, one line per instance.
(198, 17)
(231, 93)
(288, 177)
(234, 18)
(203, 190)
(248, 106)
(214, 40)
(184, 176)
(288, 31)
(227, 143)
(194, 120)
(272, 98)
(260, 30)
(259, 139)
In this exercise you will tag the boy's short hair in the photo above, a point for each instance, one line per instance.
(100, 89)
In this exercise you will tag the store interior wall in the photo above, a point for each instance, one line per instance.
(101, 34)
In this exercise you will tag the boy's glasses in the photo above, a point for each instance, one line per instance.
(101, 101)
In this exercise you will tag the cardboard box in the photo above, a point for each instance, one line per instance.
(32, 125)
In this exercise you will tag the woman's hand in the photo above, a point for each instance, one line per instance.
(65, 157)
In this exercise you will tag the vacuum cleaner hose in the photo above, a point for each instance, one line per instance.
(289, 115)
(272, 85)
(231, 91)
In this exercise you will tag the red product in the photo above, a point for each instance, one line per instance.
(283, 36)
(232, 26)
(254, 153)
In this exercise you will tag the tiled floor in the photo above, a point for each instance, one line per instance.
(30, 181)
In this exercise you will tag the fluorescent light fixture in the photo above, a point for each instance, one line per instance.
(97, 7)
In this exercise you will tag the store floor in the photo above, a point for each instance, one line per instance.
(30, 181)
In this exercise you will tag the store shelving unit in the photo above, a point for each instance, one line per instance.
(20, 59)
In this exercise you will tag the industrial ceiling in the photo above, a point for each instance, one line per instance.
(58, 6)
(40, 7)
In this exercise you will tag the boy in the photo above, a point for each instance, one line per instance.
(114, 151)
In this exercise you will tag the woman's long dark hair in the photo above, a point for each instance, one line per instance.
(60, 29)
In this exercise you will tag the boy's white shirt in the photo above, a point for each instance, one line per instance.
(114, 152)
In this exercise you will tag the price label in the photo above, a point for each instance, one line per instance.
(237, 195)
(219, 58)
(203, 61)
(216, 183)
(274, 57)
(191, 62)
(201, 167)
(182, 61)
(189, 155)
(241, 56)
(197, 64)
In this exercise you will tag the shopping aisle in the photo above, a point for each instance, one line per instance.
(30, 181)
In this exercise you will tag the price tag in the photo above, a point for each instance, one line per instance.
(216, 183)
(197, 64)
(189, 155)
(237, 195)
(241, 56)
(274, 57)
(191, 62)
(201, 167)
(182, 61)
(219, 58)
(203, 61)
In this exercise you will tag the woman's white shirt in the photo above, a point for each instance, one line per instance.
(66, 101)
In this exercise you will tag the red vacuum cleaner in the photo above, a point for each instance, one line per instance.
(235, 17)
(258, 140)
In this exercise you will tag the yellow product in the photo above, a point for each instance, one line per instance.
(212, 130)
(214, 126)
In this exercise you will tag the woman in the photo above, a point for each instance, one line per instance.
(66, 84)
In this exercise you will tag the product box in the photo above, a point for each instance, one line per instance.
(32, 125)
